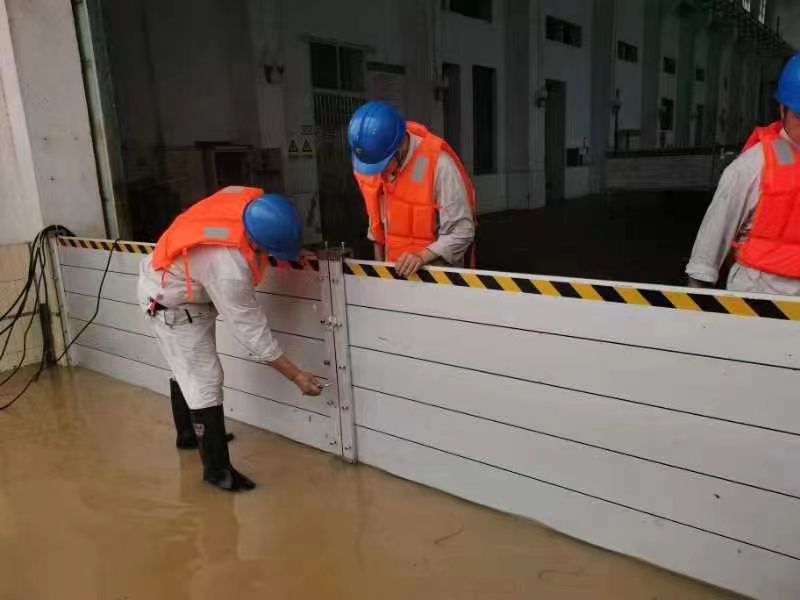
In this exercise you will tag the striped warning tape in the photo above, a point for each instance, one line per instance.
(140, 248)
(786, 310)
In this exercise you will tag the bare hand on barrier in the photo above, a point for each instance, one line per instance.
(409, 263)
(306, 254)
(308, 384)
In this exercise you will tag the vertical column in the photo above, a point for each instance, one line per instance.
(343, 433)
(19, 202)
(518, 83)
(536, 106)
(54, 109)
(713, 78)
(602, 88)
(97, 78)
(651, 72)
(686, 75)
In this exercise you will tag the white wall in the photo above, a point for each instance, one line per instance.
(474, 42)
(629, 29)
(668, 88)
(48, 160)
(573, 66)
(723, 110)
(789, 12)
(22, 216)
(699, 92)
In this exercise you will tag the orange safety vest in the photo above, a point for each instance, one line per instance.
(773, 243)
(214, 221)
(410, 205)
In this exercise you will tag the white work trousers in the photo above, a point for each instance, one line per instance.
(189, 344)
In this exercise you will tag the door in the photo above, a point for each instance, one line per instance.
(555, 139)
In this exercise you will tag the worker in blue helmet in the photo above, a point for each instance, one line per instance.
(419, 198)
(752, 224)
(208, 263)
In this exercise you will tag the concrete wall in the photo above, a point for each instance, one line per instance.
(789, 13)
(573, 66)
(628, 76)
(470, 42)
(47, 169)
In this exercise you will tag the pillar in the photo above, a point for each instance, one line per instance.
(536, 109)
(47, 160)
(603, 60)
(686, 77)
(651, 72)
(713, 82)
(517, 109)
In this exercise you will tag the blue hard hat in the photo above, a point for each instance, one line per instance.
(375, 133)
(274, 225)
(788, 92)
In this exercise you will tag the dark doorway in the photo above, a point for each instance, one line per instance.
(555, 139)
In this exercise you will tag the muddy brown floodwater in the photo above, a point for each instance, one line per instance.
(96, 503)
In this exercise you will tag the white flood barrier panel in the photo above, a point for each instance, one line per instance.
(657, 422)
(120, 343)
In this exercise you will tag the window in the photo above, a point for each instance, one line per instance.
(666, 113)
(700, 74)
(476, 9)
(564, 32)
(762, 12)
(627, 52)
(484, 120)
(337, 67)
(669, 65)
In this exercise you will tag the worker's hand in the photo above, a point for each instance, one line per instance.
(307, 384)
(306, 254)
(409, 263)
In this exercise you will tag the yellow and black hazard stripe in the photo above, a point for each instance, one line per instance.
(786, 310)
(130, 247)
(142, 248)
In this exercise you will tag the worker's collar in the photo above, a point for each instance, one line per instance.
(785, 136)
(413, 142)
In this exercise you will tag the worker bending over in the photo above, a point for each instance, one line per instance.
(419, 198)
(755, 212)
(209, 262)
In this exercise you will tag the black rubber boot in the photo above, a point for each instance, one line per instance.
(209, 428)
(185, 439)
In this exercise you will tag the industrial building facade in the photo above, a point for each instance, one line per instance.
(543, 99)
(533, 94)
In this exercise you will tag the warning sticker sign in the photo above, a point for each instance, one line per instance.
(307, 149)
(293, 149)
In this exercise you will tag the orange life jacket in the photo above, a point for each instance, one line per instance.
(214, 221)
(755, 137)
(410, 205)
(773, 243)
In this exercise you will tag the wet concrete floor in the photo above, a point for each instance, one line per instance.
(96, 503)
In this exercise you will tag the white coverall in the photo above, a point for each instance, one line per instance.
(456, 227)
(729, 218)
(221, 284)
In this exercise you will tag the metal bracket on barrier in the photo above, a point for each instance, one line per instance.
(331, 261)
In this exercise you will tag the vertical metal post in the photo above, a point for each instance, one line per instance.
(326, 321)
(61, 296)
(331, 267)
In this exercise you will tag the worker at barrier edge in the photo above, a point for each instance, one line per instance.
(753, 221)
(209, 262)
(419, 198)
